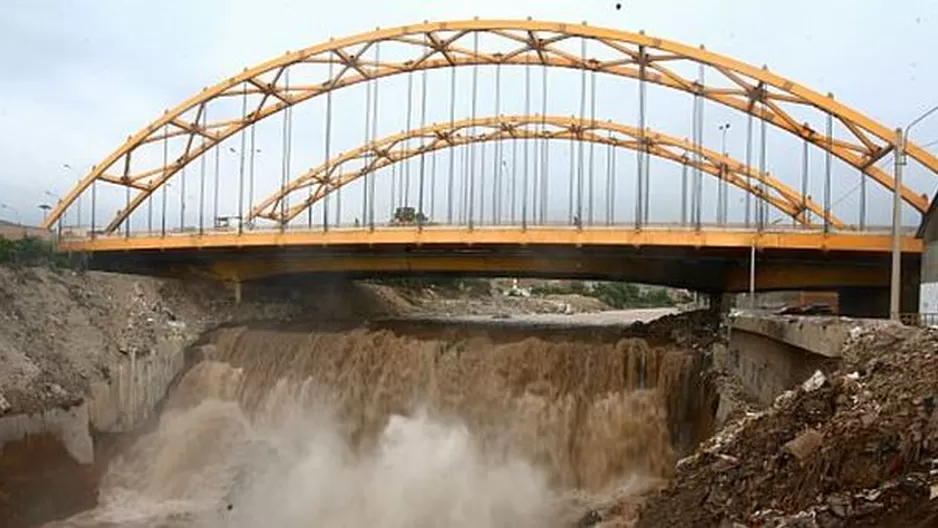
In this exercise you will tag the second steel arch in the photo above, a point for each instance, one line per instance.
(335, 173)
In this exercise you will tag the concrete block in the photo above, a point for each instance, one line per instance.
(824, 336)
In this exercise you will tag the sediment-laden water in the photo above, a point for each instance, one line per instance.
(333, 428)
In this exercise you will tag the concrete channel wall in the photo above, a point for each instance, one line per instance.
(119, 405)
(823, 336)
(771, 354)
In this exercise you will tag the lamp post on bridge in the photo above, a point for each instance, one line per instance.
(69, 168)
(723, 128)
(721, 189)
(45, 213)
(251, 152)
(895, 287)
(46, 208)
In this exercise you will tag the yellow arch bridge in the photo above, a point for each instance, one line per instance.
(450, 155)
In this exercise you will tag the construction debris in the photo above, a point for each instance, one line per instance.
(857, 448)
(804, 444)
(815, 382)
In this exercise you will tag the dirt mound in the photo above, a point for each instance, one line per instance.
(858, 449)
(68, 338)
(698, 329)
(390, 299)
(61, 330)
(483, 299)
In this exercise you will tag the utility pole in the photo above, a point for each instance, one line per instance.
(896, 272)
(752, 275)
(895, 279)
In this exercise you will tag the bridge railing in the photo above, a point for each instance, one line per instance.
(83, 232)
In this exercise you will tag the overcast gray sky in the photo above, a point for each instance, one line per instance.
(80, 76)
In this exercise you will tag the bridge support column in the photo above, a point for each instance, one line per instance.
(720, 302)
(237, 291)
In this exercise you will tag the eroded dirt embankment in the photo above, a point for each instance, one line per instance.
(85, 354)
(62, 332)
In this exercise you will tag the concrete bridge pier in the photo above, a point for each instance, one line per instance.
(720, 302)
(237, 285)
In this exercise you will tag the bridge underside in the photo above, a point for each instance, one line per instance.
(704, 268)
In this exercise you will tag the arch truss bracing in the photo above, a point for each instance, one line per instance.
(265, 90)
(339, 171)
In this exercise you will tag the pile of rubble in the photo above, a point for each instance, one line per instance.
(857, 448)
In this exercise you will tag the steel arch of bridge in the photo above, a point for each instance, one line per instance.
(347, 167)
(757, 91)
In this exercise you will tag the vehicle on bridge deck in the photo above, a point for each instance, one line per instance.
(408, 216)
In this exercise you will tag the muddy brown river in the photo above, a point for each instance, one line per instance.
(519, 422)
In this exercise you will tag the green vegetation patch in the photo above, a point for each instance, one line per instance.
(33, 251)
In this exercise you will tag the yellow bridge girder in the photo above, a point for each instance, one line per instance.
(706, 259)
(769, 276)
(500, 236)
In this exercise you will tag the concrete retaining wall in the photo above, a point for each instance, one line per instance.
(767, 367)
(824, 336)
(771, 353)
(70, 425)
(136, 387)
(928, 292)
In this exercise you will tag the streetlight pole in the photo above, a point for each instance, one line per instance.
(723, 128)
(46, 208)
(501, 178)
(722, 198)
(69, 168)
(896, 270)
(895, 279)
(752, 274)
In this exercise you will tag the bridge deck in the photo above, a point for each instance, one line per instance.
(876, 242)
(705, 260)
